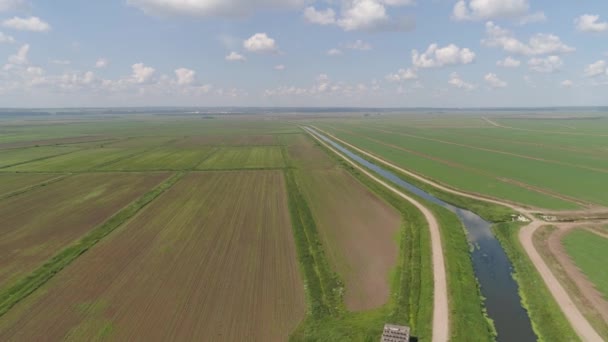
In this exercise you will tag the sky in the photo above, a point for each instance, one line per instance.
(354, 53)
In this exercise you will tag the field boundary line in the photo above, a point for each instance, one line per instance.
(41, 158)
(441, 323)
(12, 295)
(34, 186)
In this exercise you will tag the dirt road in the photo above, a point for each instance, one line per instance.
(579, 323)
(441, 322)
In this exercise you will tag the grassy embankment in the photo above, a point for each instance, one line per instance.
(24, 287)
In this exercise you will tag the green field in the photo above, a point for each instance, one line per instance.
(82, 160)
(244, 157)
(590, 253)
(540, 169)
(169, 158)
(22, 155)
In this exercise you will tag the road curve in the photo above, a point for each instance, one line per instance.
(579, 323)
(441, 323)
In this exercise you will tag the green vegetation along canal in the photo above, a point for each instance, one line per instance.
(490, 262)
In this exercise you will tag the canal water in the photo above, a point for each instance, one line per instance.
(490, 262)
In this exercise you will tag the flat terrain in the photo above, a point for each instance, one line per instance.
(244, 158)
(589, 252)
(359, 230)
(81, 160)
(545, 168)
(21, 155)
(169, 158)
(37, 224)
(211, 259)
(10, 182)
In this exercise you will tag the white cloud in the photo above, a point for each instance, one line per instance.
(509, 62)
(547, 65)
(590, 23)
(141, 73)
(334, 52)
(34, 24)
(566, 84)
(456, 81)
(402, 75)
(6, 5)
(358, 45)
(596, 69)
(325, 17)
(260, 42)
(185, 76)
(4, 38)
(235, 57)
(20, 57)
(539, 44)
(493, 81)
(435, 57)
(495, 9)
(279, 67)
(371, 15)
(102, 63)
(212, 8)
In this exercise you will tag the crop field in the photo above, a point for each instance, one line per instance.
(227, 140)
(169, 158)
(212, 258)
(358, 229)
(37, 224)
(23, 155)
(244, 157)
(547, 169)
(589, 252)
(82, 160)
(11, 182)
(222, 227)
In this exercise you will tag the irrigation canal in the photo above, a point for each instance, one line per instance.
(490, 262)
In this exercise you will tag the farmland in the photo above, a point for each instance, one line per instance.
(244, 157)
(179, 227)
(37, 224)
(199, 262)
(358, 229)
(589, 252)
(533, 168)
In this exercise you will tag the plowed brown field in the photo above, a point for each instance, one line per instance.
(359, 230)
(36, 225)
(212, 259)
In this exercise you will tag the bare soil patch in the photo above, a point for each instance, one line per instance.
(359, 230)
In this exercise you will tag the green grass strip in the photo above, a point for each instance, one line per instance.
(11, 296)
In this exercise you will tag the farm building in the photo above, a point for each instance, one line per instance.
(395, 333)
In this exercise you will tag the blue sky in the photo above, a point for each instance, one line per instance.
(387, 53)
